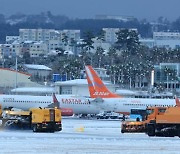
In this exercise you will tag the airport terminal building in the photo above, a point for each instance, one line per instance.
(11, 79)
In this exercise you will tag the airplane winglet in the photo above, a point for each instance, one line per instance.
(96, 86)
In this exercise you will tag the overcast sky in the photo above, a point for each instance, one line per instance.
(150, 9)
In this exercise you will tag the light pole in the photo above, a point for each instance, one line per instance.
(16, 74)
(167, 82)
(152, 81)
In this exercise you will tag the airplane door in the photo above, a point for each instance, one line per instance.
(115, 107)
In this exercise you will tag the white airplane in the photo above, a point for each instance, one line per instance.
(68, 104)
(109, 101)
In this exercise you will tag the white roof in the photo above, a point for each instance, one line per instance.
(37, 67)
(34, 89)
(125, 92)
(73, 82)
(76, 82)
(28, 41)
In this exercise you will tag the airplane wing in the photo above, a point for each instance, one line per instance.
(50, 105)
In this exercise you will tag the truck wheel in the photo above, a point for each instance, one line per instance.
(151, 130)
(35, 128)
(51, 131)
(178, 132)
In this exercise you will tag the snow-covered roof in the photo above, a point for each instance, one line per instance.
(15, 42)
(37, 67)
(28, 41)
(38, 43)
(76, 82)
(73, 82)
(125, 92)
(56, 31)
(34, 89)
(68, 52)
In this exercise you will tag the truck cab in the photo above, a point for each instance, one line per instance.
(163, 121)
(152, 112)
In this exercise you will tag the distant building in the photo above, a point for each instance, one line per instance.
(37, 34)
(98, 43)
(10, 79)
(37, 49)
(11, 39)
(168, 75)
(71, 34)
(65, 39)
(115, 17)
(34, 48)
(54, 44)
(147, 42)
(167, 39)
(38, 71)
(6, 51)
(17, 47)
(110, 34)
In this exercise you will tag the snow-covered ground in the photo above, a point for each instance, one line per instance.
(85, 136)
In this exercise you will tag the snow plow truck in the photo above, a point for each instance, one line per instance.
(37, 119)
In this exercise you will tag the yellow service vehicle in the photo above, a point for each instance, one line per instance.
(46, 119)
(37, 119)
(0, 112)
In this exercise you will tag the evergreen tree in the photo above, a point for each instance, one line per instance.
(87, 41)
(112, 54)
(99, 56)
(64, 39)
(27, 58)
(127, 40)
(101, 36)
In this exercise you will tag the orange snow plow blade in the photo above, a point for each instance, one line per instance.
(133, 127)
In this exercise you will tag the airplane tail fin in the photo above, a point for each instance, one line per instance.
(96, 86)
(55, 101)
(177, 102)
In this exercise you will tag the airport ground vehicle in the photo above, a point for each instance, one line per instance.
(109, 115)
(165, 122)
(137, 114)
(37, 119)
(140, 126)
(0, 111)
(160, 121)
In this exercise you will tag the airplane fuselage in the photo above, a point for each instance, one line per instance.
(124, 105)
(79, 105)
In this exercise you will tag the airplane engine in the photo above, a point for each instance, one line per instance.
(67, 112)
